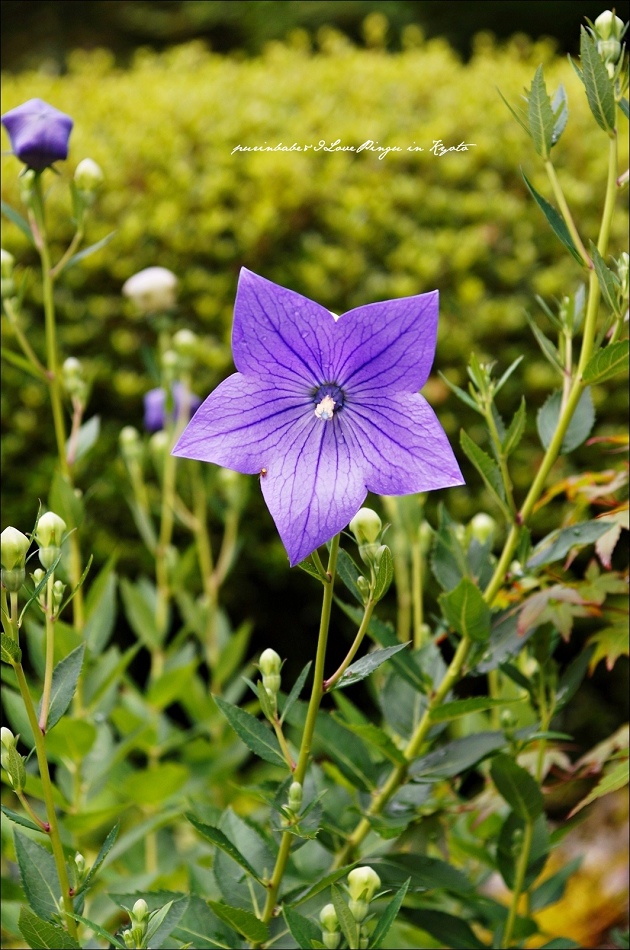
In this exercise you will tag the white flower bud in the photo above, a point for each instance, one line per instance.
(13, 548)
(295, 796)
(269, 663)
(88, 176)
(366, 526)
(154, 288)
(140, 910)
(50, 530)
(8, 261)
(608, 26)
(7, 738)
(483, 527)
(328, 918)
(185, 343)
(363, 882)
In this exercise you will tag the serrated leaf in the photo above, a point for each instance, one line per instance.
(106, 847)
(256, 737)
(347, 923)
(303, 930)
(462, 707)
(384, 575)
(201, 929)
(612, 782)
(598, 84)
(608, 283)
(555, 220)
(11, 652)
(366, 665)
(43, 935)
(516, 429)
(20, 819)
(348, 571)
(64, 683)
(296, 689)
(560, 109)
(243, 921)
(466, 611)
(579, 428)
(456, 757)
(606, 363)
(558, 544)
(487, 468)
(388, 917)
(517, 787)
(309, 566)
(610, 643)
(220, 840)
(16, 218)
(39, 876)
(541, 119)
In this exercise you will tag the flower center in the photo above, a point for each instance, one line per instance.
(328, 399)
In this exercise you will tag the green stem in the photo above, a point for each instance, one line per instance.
(309, 727)
(47, 791)
(566, 213)
(277, 728)
(501, 459)
(399, 773)
(70, 250)
(27, 349)
(417, 592)
(50, 647)
(365, 622)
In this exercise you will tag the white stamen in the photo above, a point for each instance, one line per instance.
(325, 408)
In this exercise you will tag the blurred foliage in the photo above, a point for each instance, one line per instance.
(344, 229)
(48, 31)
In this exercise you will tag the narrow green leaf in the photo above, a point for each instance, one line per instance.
(623, 105)
(11, 652)
(517, 787)
(367, 664)
(256, 737)
(423, 872)
(106, 847)
(384, 575)
(561, 943)
(521, 119)
(579, 428)
(606, 363)
(460, 393)
(349, 572)
(201, 929)
(22, 363)
(64, 683)
(376, 737)
(549, 350)
(220, 840)
(456, 757)
(607, 281)
(232, 653)
(462, 707)
(16, 218)
(541, 119)
(20, 819)
(43, 935)
(243, 921)
(560, 109)
(612, 782)
(598, 84)
(448, 930)
(157, 920)
(487, 468)
(466, 611)
(509, 847)
(516, 429)
(303, 930)
(347, 923)
(140, 614)
(296, 689)
(558, 544)
(100, 609)
(88, 251)
(310, 567)
(322, 884)
(388, 917)
(86, 437)
(39, 876)
(555, 220)
(552, 889)
(448, 560)
(265, 703)
(99, 931)
(63, 500)
(506, 375)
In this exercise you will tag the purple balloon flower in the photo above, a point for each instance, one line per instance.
(155, 417)
(325, 409)
(39, 133)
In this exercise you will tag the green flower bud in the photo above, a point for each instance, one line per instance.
(154, 288)
(12, 761)
(50, 530)
(623, 274)
(363, 882)
(140, 910)
(8, 284)
(364, 586)
(73, 379)
(159, 444)
(57, 597)
(169, 363)
(328, 918)
(269, 663)
(13, 548)
(295, 796)
(608, 26)
(483, 527)
(186, 343)
(79, 862)
(364, 943)
(359, 910)
(88, 176)
(131, 447)
(331, 940)
(129, 938)
(8, 740)
(366, 526)
(38, 576)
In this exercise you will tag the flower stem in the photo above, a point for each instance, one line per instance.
(566, 213)
(367, 615)
(309, 726)
(27, 349)
(50, 647)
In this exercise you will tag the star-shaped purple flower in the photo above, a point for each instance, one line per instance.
(325, 409)
(39, 133)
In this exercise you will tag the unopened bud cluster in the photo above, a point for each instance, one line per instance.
(368, 530)
(139, 916)
(49, 536)
(270, 665)
(88, 178)
(608, 31)
(74, 380)
(331, 937)
(363, 883)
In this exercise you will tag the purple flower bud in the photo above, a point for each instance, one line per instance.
(39, 133)
(155, 402)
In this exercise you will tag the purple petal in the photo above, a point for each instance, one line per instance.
(400, 446)
(155, 417)
(280, 333)
(243, 424)
(313, 486)
(39, 133)
(388, 346)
